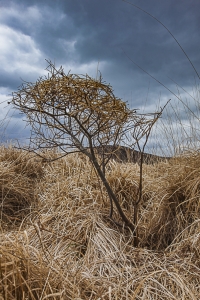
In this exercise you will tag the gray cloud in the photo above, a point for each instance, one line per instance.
(82, 35)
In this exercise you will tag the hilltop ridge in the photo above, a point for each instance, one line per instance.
(125, 154)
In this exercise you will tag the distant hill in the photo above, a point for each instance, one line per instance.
(125, 154)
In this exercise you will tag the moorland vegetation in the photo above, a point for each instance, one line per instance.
(61, 235)
(77, 220)
(57, 241)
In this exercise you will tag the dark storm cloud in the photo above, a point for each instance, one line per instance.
(107, 28)
(110, 30)
(112, 35)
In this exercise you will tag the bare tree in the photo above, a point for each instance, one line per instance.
(77, 113)
(74, 113)
(137, 135)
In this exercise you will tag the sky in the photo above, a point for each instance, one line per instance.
(114, 37)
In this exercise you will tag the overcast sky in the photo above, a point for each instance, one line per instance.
(86, 35)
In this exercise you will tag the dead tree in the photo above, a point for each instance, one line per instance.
(139, 129)
(74, 113)
(77, 113)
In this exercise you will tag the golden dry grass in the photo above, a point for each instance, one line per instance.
(57, 242)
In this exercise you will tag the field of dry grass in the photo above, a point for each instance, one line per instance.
(57, 242)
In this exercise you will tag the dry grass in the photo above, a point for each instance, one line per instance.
(18, 174)
(63, 245)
